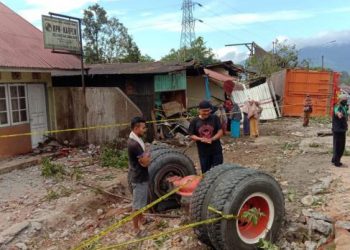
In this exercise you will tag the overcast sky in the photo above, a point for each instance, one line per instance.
(156, 24)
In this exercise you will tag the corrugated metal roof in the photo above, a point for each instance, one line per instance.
(131, 68)
(219, 77)
(138, 68)
(22, 45)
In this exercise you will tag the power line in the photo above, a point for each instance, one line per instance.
(150, 9)
(241, 12)
(223, 31)
(229, 21)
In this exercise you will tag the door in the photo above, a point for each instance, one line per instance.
(37, 112)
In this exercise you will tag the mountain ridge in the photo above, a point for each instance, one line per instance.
(336, 57)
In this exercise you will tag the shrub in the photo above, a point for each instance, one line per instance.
(111, 157)
(49, 169)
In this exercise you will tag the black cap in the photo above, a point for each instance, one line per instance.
(204, 105)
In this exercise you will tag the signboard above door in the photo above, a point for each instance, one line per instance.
(61, 34)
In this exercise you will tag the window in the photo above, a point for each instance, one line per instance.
(13, 104)
(4, 114)
(18, 102)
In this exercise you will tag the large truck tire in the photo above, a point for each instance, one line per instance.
(201, 196)
(155, 152)
(239, 191)
(167, 163)
(154, 148)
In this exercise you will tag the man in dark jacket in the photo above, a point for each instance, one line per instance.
(339, 128)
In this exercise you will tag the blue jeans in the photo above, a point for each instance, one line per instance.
(209, 161)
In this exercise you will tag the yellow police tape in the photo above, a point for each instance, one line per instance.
(172, 231)
(88, 128)
(128, 218)
(104, 126)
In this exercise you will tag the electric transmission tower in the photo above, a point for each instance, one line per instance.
(188, 23)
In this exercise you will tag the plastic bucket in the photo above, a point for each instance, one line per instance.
(235, 129)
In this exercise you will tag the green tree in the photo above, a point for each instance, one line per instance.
(106, 39)
(198, 51)
(146, 58)
(345, 78)
(284, 56)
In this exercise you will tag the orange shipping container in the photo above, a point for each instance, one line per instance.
(321, 85)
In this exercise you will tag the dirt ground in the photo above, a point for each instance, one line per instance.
(59, 214)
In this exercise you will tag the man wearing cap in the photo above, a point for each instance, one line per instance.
(339, 128)
(206, 131)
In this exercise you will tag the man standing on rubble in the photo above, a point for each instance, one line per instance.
(339, 128)
(206, 131)
(139, 160)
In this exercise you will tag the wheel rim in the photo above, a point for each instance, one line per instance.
(247, 231)
(161, 185)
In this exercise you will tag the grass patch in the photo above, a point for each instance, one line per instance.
(318, 201)
(52, 195)
(76, 174)
(65, 192)
(289, 146)
(111, 157)
(61, 192)
(267, 245)
(291, 195)
(159, 242)
(50, 169)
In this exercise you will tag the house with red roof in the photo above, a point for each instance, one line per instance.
(26, 93)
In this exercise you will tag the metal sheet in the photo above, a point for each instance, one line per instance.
(318, 84)
(170, 82)
(261, 94)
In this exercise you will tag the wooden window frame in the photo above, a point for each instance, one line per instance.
(19, 108)
(7, 107)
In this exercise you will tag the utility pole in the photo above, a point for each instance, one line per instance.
(188, 23)
(250, 46)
